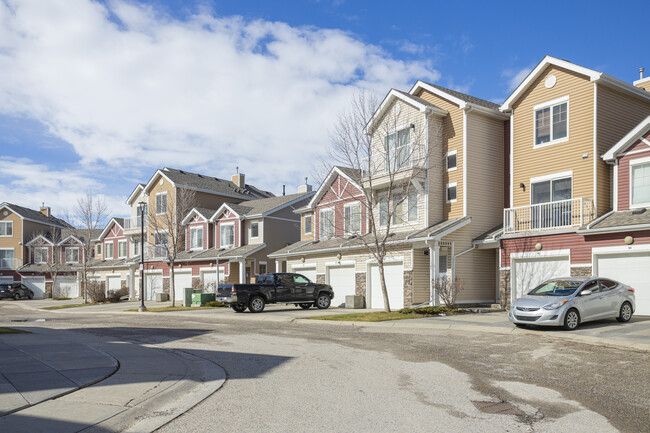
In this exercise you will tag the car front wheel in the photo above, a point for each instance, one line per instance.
(31, 295)
(571, 320)
(256, 304)
(323, 301)
(17, 296)
(625, 313)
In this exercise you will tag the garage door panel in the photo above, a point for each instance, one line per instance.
(394, 275)
(529, 273)
(343, 282)
(180, 282)
(66, 287)
(631, 269)
(153, 284)
(209, 280)
(37, 285)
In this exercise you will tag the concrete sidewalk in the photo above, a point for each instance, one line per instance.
(151, 387)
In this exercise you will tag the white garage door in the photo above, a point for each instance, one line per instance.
(341, 278)
(631, 269)
(307, 272)
(394, 274)
(66, 287)
(180, 282)
(209, 280)
(6, 280)
(37, 284)
(113, 284)
(529, 273)
(152, 284)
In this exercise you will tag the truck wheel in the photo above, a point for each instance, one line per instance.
(239, 308)
(305, 306)
(256, 304)
(323, 301)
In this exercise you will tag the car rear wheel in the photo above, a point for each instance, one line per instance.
(305, 306)
(571, 320)
(17, 296)
(323, 301)
(239, 308)
(625, 313)
(256, 304)
(31, 295)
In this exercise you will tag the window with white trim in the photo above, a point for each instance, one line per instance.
(72, 255)
(326, 223)
(99, 249)
(383, 211)
(6, 228)
(136, 247)
(161, 203)
(262, 268)
(352, 218)
(452, 192)
(196, 238)
(227, 235)
(640, 188)
(551, 123)
(452, 160)
(398, 212)
(108, 250)
(255, 229)
(413, 206)
(40, 255)
(122, 249)
(161, 241)
(6, 258)
(308, 224)
(397, 147)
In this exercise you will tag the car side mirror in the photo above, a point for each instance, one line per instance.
(586, 293)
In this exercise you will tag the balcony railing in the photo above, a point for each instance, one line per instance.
(10, 263)
(135, 223)
(548, 216)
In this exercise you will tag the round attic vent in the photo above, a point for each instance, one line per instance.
(550, 81)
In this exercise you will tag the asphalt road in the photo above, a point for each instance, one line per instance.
(320, 377)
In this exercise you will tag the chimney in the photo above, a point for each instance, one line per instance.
(238, 179)
(642, 83)
(305, 188)
(45, 210)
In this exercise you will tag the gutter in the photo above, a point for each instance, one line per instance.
(617, 229)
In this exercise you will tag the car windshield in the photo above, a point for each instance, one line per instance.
(556, 288)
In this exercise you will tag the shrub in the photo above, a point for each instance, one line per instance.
(116, 295)
(95, 291)
(216, 304)
(430, 310)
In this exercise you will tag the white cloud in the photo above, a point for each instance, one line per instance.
(30, 184)
(516, 76)
(132, 88)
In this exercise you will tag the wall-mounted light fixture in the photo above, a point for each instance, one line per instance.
(338, 256)
(302, 260)
(629, 240)
(538, 246)
(522, 186)
(585, 155)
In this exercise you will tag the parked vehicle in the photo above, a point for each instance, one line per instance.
(276, 288)
(16, 291)
(568, 302)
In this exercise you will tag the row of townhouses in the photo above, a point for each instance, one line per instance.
(553, 182)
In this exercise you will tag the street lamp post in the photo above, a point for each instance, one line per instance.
(142, 205)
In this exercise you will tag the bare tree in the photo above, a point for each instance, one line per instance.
(89, 214)
(51, 241)
(448, 289)
(168, 230)
(389, 152)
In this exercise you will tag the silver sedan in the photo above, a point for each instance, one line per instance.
(570, 301)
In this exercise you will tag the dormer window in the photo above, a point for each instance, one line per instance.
(397, 146)
(227, 238)
(326, 223)
(72, 255)
(552, 122)
(307, 224)
(255, 229)
(40, 255)
(352, 218)
(640, 179)
(196, 238)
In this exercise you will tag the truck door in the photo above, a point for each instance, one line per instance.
(303, 287)
(284, 288)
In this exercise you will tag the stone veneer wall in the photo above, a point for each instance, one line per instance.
(408, 288)
(165, 282)
(320, 279)
(504, 288)
(581, 271)
(360, 284)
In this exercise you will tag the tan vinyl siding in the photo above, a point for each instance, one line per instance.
(452, 139)
(155, 189)
(306, 236)
(248, 240)
(531, 162)
(435, 186)
(14, 240)
(484, 171)
(618, 113)
(644, 85)
(421, 277)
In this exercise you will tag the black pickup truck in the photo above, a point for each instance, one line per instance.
(276, 288)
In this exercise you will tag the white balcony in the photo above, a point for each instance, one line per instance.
(133, 225)
(10, 263)
(554, 215)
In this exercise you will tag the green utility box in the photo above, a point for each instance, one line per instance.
(187, 296)
(199, 299)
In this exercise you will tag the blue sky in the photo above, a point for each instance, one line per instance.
(97, 95)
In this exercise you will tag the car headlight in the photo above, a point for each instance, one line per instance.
(555, 305)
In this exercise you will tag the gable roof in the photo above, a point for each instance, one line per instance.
(458, 98)
(209, 184)
(350, 174)
(202, 212)
(136, 192)
(35, 216)
(593, 75)
(261, 207)
(393, 94)
(618, 221)
(630, 138)
(118, 221)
